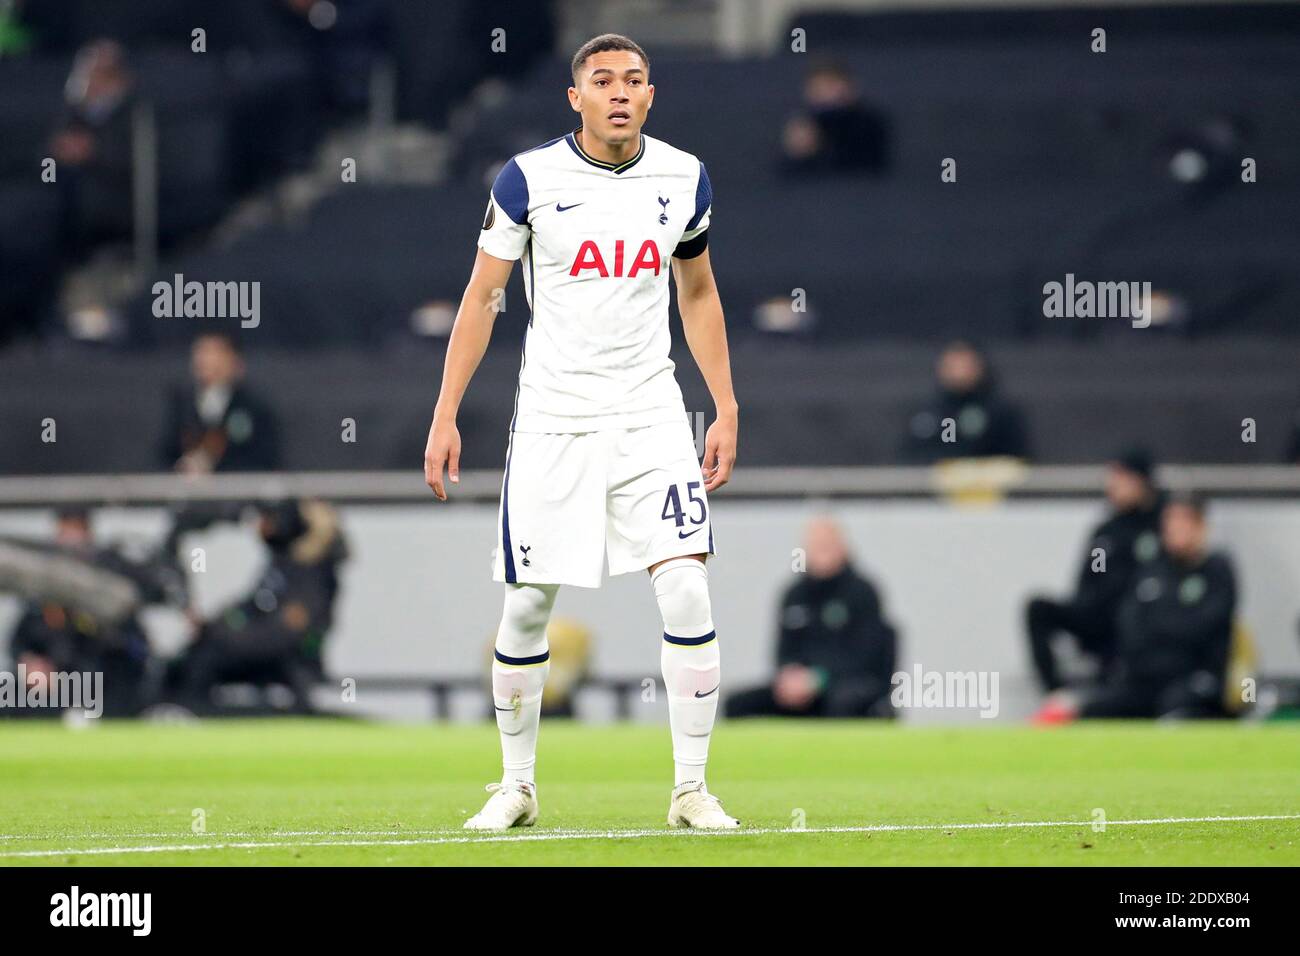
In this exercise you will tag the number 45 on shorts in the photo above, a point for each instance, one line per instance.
(673, 511)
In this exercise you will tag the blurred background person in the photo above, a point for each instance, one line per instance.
(968, 417)
(276, 634)
(218, 423)
(92, 147)
(53, 636)
(836, 131)
(1117, 550)
(835, 653)
(1175, 631)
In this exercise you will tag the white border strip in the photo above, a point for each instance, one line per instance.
(553, 835)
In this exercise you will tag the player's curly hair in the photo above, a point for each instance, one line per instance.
(603, 43)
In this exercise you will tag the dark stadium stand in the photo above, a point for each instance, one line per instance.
(1041, 192)
(891, 266)
(801, 403)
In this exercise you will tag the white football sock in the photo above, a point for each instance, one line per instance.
(519, 668)
(690, 662)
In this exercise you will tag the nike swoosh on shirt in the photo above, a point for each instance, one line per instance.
(689, 533)
(706, 693)
(559, 208)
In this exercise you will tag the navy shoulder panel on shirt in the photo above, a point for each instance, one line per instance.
(511, 192)
(703, 198)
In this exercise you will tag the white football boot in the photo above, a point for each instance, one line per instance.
(511, 805)
(693, 806)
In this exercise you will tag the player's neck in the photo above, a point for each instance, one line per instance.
(612, 153)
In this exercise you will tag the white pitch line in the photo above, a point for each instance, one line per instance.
(631, 835)
(120, 835)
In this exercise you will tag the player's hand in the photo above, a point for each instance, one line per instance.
(442, 451)
(719, 452)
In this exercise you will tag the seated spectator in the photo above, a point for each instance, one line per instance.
(835, 132)
(1175, 631)
(53, 637)
(92, 147)
(968, 418)
(276, 634)
(835, 654)
(1116, 552)
(218, 424)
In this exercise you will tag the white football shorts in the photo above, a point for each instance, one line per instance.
(568, 500)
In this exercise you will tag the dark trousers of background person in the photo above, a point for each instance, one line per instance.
(762, 702)
(259, 658)
(127, 687)
(1152, 697)
(1046, 619)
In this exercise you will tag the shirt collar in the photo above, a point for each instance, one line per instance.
(572, 140)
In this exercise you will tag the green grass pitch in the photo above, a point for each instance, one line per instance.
(811, 793)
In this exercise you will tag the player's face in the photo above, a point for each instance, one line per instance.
(613, 95)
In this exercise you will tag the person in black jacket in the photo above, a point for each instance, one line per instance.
(218, 424)
(1116, 551)
(1175, 632)
(1175, 627)
(836, 131)
(968, 418)
(92, 147)
(276, 634)
(835, 654)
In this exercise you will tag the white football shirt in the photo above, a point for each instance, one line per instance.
(595, 240)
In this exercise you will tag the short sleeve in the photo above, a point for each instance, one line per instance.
(703, 207)
(505, 225)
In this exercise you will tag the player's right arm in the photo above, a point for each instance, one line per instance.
(469, 340)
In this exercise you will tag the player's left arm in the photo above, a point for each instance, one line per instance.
(706, 335)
